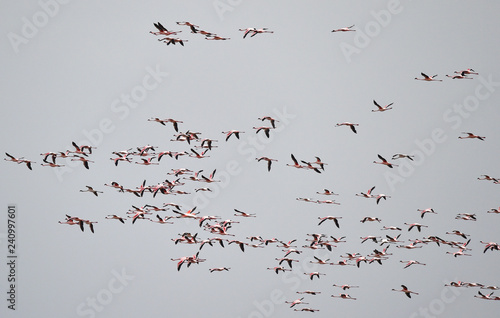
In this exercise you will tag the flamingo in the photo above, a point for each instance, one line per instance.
(239, 243)
(90, 189)
(456, 232)
(197, 155)
(229, 133)
(277, 269)
(401, 155)
(367, 194)
(370, 219)
(270, 119)
(320, 261)
(53, 155)
(115, 185)
(115, 217)
(210, 178)
(369, 237)
(288, 260)
(314, 274)
(343, 296)
(147, 162)
(82, 159)
(188, 214)
(466, 217)
(162, 30)
(416, 225)
(50, 164)
(295, 163)
(173, 41)
(327, 202)
(309, 292)
(409, 246)
(244, 214)
(382, 196)
(320, 163)
(118, 159)
(306, 309)
(219, 269)
(490, 246)
(308, 165)
(411, 262)
(13, 159)
(255, 31)
(459, 253)
(333, 218)
(347, 29)
(428, 78)
(424, 211)
(162, 220)
(351, 125)
(385, 162)
(269, 161)
(327, 192)
(393, 228)
(406, 291)
(496, 211)
(203, 189)
(81, 149)
(471, 136)
(217, 38)
(380, 108)
(459, 76)
(467, 71)
(295, 302)
(487, 296)
(263, 128)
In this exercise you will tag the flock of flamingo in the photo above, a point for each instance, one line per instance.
(219, 231)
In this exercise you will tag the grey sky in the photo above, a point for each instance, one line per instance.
(69, 78)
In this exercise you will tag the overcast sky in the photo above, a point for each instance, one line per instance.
(90, 72)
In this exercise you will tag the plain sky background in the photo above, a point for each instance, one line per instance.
(62, 81)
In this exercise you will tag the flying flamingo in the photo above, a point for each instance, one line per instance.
(401, 155)
(367, 194)
(380, 108)
(385, 162)
(295, 302)
(343, 296)
(428, 78)
(406, 291)
(90, 189)
(270, 119)
(269, 161)
(351, 125)
(349, 28)
(424, 211)
(162, 30)
(84, 160)
(313, 274)
(411, 262)
(232, 132)
(116, 217)
(471, 136)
